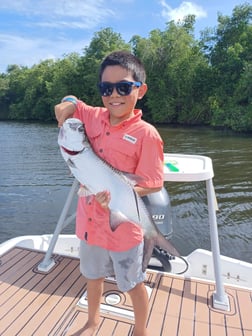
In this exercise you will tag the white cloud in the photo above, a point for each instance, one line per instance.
(185, 8)
(61, 13)
(55, 20)
(29, 51)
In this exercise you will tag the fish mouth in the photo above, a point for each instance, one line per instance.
(70, 152)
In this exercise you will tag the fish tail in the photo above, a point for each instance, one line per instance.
(164, 244)
(160, 241)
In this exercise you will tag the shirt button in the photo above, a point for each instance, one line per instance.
(108, 133)
(101, 150)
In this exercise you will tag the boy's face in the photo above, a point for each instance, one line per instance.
(120, 107)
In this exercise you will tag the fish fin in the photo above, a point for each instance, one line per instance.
(117, 218)
(166, 245)
(149, 244)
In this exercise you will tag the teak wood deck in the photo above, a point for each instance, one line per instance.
(34, 303)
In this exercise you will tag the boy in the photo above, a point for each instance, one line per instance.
(119, 136)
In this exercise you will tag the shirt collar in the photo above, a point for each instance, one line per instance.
(131, 120)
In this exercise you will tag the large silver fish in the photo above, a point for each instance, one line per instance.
(97, 175)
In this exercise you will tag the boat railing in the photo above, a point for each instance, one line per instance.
(63, 221)
(177, 168)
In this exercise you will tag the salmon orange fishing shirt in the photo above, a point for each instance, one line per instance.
(133, 146)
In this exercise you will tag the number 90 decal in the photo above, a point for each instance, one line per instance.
(158, 217)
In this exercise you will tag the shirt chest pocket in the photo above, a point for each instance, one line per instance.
(95, 138)
(122, 155)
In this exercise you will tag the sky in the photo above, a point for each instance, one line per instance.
(34, 30)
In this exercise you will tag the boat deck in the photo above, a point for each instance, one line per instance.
(53, 303)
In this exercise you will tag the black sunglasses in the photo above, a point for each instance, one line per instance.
(123, 88)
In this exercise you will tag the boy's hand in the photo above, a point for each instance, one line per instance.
(64, 111)
(103, 198)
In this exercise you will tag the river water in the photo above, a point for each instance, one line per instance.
(34, 183)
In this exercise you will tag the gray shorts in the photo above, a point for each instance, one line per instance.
(96, 262)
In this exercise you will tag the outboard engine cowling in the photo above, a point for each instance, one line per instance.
(159, 206)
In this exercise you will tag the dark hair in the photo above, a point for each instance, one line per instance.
(127, 61)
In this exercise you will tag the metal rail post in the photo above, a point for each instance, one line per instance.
(47, 263)
(220, 298)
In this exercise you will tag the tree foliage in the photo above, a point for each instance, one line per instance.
(231, 63)
(205, 82)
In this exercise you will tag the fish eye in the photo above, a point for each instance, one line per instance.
(81, 129)
(75, 126)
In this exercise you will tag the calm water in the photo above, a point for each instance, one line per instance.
(34, 183)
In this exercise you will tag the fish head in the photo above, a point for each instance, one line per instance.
(72, 136)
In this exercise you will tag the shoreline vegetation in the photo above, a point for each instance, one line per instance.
(192, 82)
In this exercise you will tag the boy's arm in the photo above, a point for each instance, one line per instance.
(143, 191)
(65, 110)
